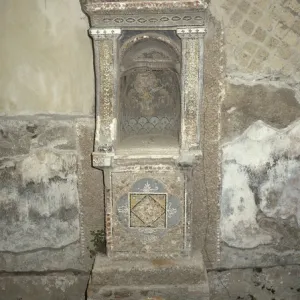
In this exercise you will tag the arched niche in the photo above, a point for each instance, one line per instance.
(149, 94)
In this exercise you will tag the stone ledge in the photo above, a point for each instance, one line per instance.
(153, 292)
(108, 6)
(108, 272)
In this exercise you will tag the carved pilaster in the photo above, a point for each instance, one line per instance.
(105, 46)
(192, 86)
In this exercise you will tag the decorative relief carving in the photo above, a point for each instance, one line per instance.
(171, 211)
(98, 5)
(97, 33)
(159, 168)
(191, 32)
(151, 125)
(149, 20)
(148, 188)
(192, 97)
(102, 160)
(106, 88)
(105, 47)
(192, 52)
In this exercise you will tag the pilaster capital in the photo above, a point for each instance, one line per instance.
(102, 160)
(107, 33)
(191, 33)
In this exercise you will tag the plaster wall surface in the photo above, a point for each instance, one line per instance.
(46, 58)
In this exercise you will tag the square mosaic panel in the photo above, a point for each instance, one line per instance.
(148, 213)
(148, 210)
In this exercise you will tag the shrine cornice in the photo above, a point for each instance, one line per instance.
(108, 7)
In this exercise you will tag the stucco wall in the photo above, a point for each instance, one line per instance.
(45, 58)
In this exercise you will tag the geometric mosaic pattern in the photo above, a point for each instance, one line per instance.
(263, 35)
(148, 210)
(151, 125)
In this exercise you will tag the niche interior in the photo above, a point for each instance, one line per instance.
(149, 106)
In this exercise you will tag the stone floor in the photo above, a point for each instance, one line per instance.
(277, 283)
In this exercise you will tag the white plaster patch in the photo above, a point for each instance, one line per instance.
(231, 110)
(42, 165)
(238, 211)
(272, 154)
(281, 193)
(113, 129)
(257, 145)
(43, 210)
(98, 125)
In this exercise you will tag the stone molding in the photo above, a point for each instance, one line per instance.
(102, 160)
(169, 20)
(97, 33)
(107, 6)
(150, 35)
(105, 45)
(192, 93)
(193, 32)
(145, 14)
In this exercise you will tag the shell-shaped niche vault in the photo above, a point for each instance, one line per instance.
(149, 93)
